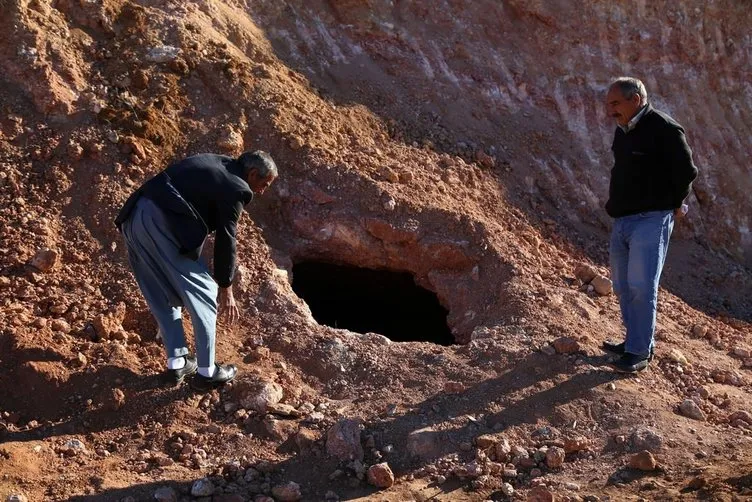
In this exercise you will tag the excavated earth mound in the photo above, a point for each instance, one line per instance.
(420, 318)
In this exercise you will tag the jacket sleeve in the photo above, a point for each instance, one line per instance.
(225, 242)
(679, 158)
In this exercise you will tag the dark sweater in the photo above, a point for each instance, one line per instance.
(199, 195)
(653, 167)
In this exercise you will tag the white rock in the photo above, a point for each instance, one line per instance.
(162, 54)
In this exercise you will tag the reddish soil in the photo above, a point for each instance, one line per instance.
(463, 142)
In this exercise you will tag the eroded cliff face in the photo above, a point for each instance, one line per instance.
(525, 82)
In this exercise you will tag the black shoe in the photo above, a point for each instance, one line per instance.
(223, 373)
(630, 363)
(618, 348)
(177, 376)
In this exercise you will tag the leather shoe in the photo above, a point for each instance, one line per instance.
(223, 373)
(177, 376)
(630, 363)
(618, 348)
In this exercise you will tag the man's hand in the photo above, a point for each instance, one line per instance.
(679, 212)
(228, 309)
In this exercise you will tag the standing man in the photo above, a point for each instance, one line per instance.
(165, 224)
(651, 177)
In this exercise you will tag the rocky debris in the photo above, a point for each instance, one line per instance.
(502, 449)
(507, 489)
(259, 395)
(485, 441)
(727, 377)
(162, 54)
(202, 488)
(643, 461)
(486, 161)
(44, 260)
(602, 285)
(115, 400)
(287, 492)
(645, 439)
(166, 494)
(690, 409)
(585, 273)
(380, 475)
(742, 352)
(566, 345)
(80, 360)
(284, 410)
(343, 440)
(555, 457)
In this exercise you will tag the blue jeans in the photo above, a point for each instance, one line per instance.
(639, 244)
(170, 281)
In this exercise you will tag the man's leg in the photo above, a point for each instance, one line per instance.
(168, 317)
(648, 243)
(200, 299)
(619, 257)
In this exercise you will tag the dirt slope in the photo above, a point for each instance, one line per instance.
(463, 142)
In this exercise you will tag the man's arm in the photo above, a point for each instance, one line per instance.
(679, 159)
(225, 243)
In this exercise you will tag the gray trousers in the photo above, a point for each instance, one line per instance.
(170, 281)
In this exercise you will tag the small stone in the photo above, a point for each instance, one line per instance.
(555, 457)
(699, 331)
(390, 205)
(486, 161)
(643, 461)
(690, 409)
(585, 273)
(44, 260)
(644, 439)
(507, 489)
(540, 494)
(166, 494)
(380, 475)
(572, 486)
(743, 416)
(287, 492)
(454, 387)
(566, 345)
(676, 356)
(485, 441)
(509, 473)
(602, 285)
(697, 483)
(17, 497)
(73, 447)
(343, 440)
(202, 488)
(574, 444)
(260, 395)
(548, 350)
(331, 496)
(742, 352)
(60, 326)
(610, 386)
(162, 54)
(502, 450)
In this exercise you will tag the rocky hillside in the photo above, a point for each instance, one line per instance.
(463, 143)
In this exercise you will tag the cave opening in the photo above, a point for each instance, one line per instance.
(364, 300)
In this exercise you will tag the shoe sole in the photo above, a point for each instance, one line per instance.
(628, 372)
(177, 380)
(204, 386)
(650, 357)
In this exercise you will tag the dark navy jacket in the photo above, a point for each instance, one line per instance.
(653, 168)
(199, 195)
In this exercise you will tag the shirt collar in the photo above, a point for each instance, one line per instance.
(633, 122)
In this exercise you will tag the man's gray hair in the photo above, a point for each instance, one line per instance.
(629, 86)
(258, 161)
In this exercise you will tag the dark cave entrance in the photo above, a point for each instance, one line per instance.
(377, 301)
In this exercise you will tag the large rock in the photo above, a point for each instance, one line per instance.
(287, 492)
(110, 323)
(690, 409)
(380, 475)
(259, 395)
(343, 440)
(566, 345)
(423, 443)
(540, 494)
(645, 439)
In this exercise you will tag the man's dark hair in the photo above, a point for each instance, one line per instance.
(258, 161)
(629, 86)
